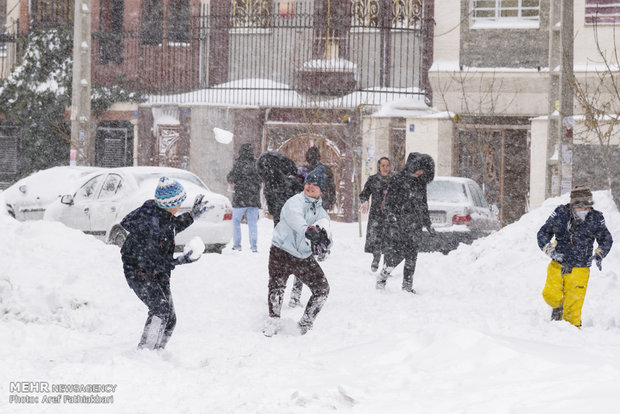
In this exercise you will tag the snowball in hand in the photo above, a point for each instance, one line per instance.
(197, 246)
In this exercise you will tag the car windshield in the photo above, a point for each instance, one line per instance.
(446, 192)
(143, 177)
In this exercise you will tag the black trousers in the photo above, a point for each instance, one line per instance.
(391, 260)
(308, 271)
(154, 291)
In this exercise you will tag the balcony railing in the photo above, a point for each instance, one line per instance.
(289, 56)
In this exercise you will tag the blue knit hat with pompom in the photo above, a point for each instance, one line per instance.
(169, 193)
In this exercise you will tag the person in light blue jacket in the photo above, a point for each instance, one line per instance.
(300, 239)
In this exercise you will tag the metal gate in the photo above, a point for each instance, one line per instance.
(296, 148)
(496, 157)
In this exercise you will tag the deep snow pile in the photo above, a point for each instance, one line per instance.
(477, 338)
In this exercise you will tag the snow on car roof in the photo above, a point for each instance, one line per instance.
(456, 179)
(143, 173)
(52, 182)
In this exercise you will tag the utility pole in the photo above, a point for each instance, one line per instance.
(81, 126)
(560, 124)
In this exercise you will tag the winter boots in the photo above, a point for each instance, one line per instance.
(408, 282)
(375, 263)
(154, 335)
(272, 326)
(386, 273)
(409, 289)
(382, 279)
(383, 276)
(556, 313)
(304, 325)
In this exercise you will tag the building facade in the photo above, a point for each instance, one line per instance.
(492, 78)
(282, 75)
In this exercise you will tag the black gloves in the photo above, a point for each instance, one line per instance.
(597, 257)
(318, 241)
(186, 258)
(199, 207)
(431, 231)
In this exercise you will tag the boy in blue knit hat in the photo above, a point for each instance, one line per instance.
(301, 234)
(147, 256)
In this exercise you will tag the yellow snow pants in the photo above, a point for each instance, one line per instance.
(568, 290)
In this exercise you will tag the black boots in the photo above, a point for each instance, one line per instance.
(556, 313)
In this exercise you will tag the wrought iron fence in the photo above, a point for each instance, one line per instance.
(290, 55)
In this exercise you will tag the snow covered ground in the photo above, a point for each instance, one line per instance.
(476, 339)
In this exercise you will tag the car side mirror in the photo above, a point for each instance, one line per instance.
(67, 199)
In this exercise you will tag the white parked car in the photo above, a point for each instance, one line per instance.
(29, 197)
(103, 199)
(459, 213)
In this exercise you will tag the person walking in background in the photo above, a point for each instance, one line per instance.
(407, 214)
(279, 174)
(147, 256)
(313, 160)
(376, 186)
(301, 234)
(568, 237)
(246, 199)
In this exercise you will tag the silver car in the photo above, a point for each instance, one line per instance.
(103, 199)
(459, 213)
(29, 197)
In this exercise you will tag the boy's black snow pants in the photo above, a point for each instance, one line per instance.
(281, 266)
(154, 291)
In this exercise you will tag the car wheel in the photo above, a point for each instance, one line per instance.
(214, 248)
(118, 237)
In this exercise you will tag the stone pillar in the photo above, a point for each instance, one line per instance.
(539, 159)
(433, 135)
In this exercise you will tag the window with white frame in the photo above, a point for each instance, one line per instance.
(602, 11)
(505, 13)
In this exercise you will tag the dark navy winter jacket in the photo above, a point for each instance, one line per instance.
(575, 241)
(149, 247)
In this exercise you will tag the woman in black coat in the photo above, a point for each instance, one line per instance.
(407, 214)
(376, 186)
